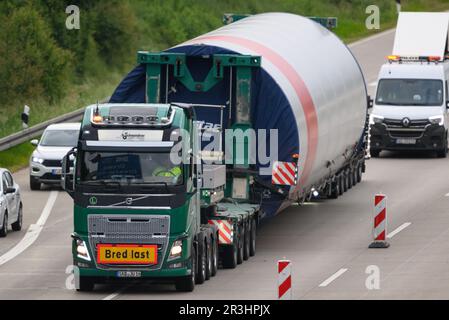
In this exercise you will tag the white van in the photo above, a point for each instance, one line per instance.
(410, 106)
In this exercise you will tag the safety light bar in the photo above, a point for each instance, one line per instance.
(396, 58)
(131, 120)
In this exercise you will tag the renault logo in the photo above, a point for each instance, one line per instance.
(406, 122)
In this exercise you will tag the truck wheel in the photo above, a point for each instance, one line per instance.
(214, 242)
(374, 153)
(34, 183)
(359, 173)
(87, 284)
(345, 182)
(335, 189)
(17, 226)
(202, 264)
(252, 248)
(230, 256)
(241, 244)
(208, 259)
(187, 284)
(4, 229)
(350, 174)
(341, 185)
(247, 246)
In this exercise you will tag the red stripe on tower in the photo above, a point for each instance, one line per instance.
(380, 222)
(284, 280)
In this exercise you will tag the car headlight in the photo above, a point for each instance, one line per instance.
(81, 250)
(376, 119)
(176, 250)
(439, 120)
(37, 160)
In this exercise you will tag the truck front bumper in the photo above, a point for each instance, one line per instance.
(433, 137)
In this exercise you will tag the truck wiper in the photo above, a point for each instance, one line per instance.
(103, 182)
(155, 184)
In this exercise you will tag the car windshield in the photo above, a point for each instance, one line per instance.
(60, 138)
(410, 92)
(125, 168)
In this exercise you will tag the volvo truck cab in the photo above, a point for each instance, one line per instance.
(411, 102)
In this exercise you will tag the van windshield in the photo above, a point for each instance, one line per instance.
(410, 92)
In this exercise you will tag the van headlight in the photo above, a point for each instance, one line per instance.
(37, 160)
(176, 250)
(376, 119)
(439, 120)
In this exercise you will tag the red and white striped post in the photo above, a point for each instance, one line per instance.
(284, 280)
(380, 222)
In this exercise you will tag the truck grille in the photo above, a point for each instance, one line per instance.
(129, 229)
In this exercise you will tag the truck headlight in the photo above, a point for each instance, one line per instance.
(376, 119)
(439, 120)
(81, 250)
(37, 160)
(176, 250)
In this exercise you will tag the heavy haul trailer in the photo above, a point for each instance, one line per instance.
(257, 73)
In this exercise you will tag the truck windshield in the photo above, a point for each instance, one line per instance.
(126, 168)
(410, 92)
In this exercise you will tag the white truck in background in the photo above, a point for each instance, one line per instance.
(410, 107)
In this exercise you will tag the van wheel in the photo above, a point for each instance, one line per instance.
(4, 229)
(443, 153)
(87, 284)
(17, 226)
(252, 248)
(374, 153)
(187, 284)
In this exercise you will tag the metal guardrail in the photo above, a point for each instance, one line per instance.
(34, 131)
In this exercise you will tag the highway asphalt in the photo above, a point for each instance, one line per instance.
(327, 241)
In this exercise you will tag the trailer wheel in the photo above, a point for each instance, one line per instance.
(241, 244)
(345, 182)
(229, 257)
(187, 284)
(202, 264)
(247, 246)
(214, 242)
(340, 185)
(350, 175)
(208, 258)
(359, 173)
(252, 248)
(86, 284)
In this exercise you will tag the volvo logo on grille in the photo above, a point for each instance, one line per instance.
(129, 201)
(406, 122)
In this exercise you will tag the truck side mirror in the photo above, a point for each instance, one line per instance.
(67, 175)
(447, 104)
(370, 102)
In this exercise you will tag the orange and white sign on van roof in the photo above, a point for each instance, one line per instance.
(421, 34)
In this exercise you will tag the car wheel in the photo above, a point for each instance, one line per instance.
(4, 229)
(17, 226)
(34, 184)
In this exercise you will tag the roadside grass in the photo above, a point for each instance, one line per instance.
(17, 157)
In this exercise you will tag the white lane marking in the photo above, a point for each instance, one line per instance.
(33, 231)
(446, 195)
(398, 229)
(113, 295)
(337, 274)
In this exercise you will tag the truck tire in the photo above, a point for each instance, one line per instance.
(87, 284)
(202, 264)
(350, 175)
(34, 184)
(252, 248)
(187, 284)
(340, 184)
(374, 153)
(4, 229)
(17, 226)
(208, 244)
(229, 256)
(247, 244)
(214, 242)
(335, 189)
(241, 244)
(359, 172)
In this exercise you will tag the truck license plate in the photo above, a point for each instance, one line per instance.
(406, 141)
(126, 254)
(129, 274)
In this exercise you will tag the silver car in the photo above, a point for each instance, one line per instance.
(10, 204)
(45, 162)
